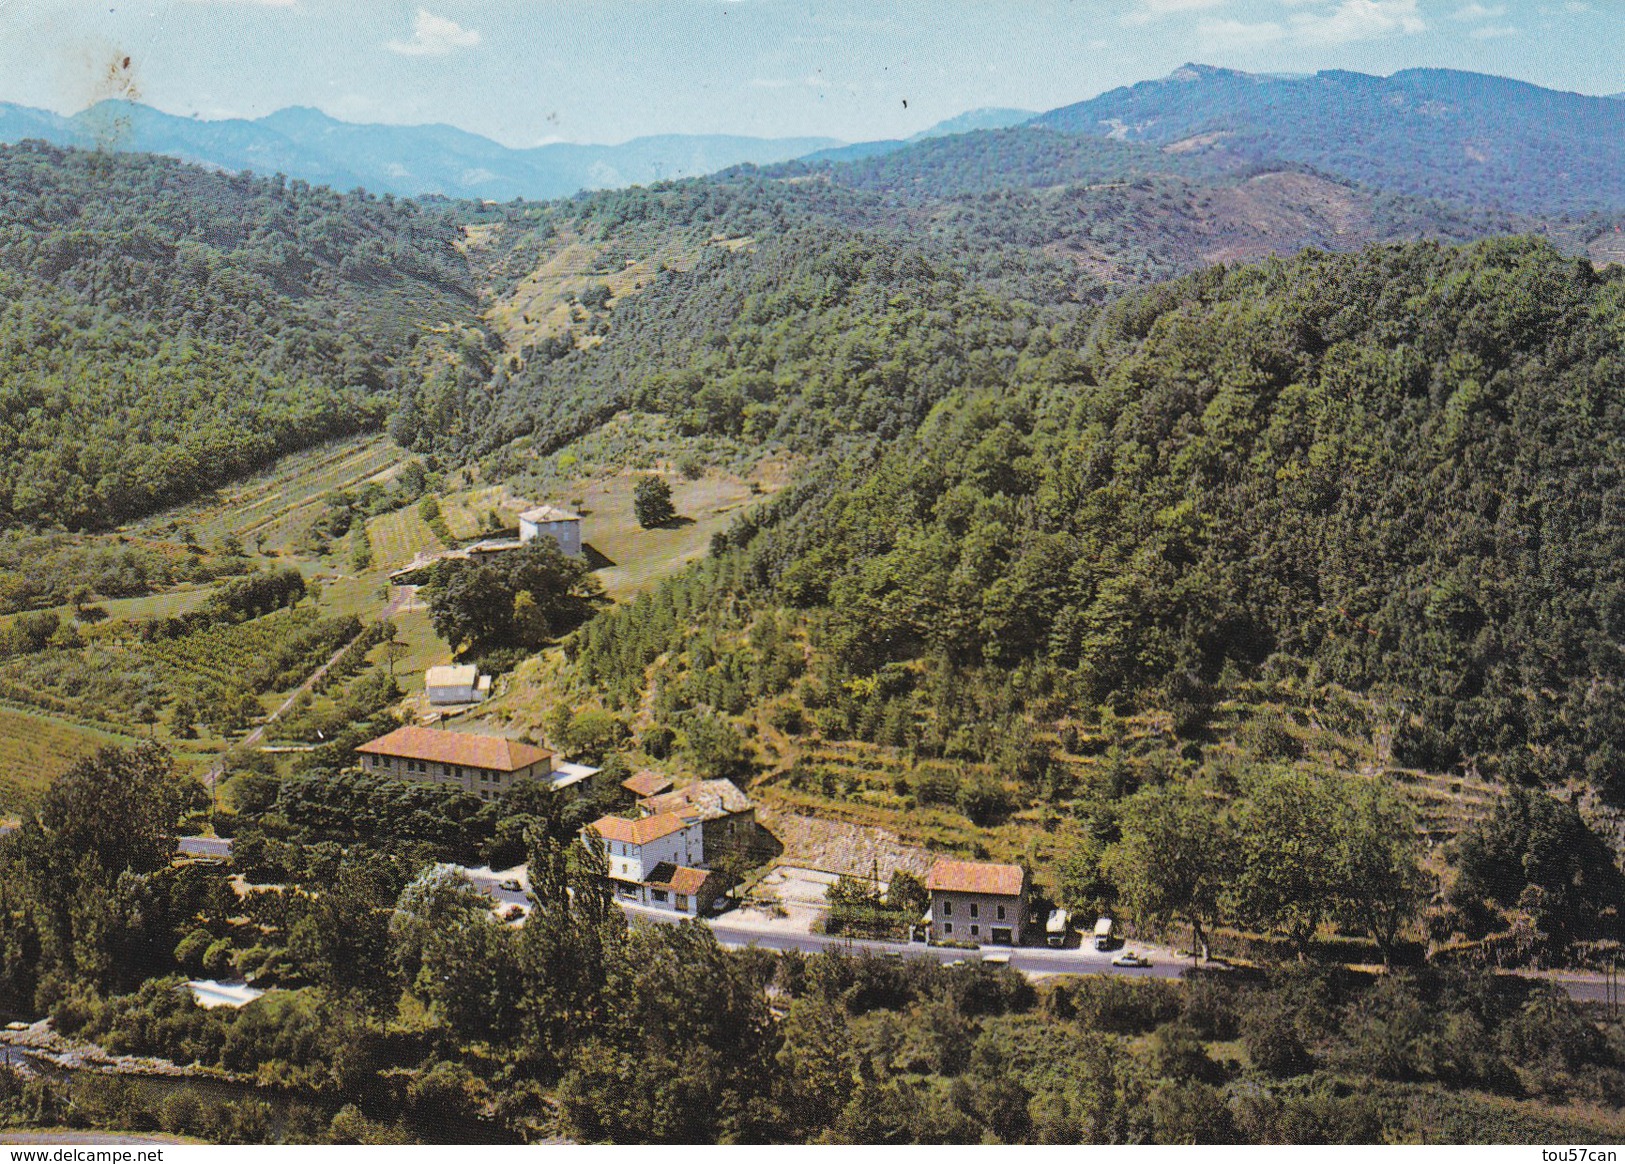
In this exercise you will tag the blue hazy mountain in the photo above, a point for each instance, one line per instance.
(1464, 137)
(408, 160)
(968, 122)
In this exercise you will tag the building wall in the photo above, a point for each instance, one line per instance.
(735, 833)
(566, 533)
(951, 918)
(462, 694)
(629, 862)
(676, 902)
(485, 783)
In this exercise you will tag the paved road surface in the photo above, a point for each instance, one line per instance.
(204, 846)
(1034, 961)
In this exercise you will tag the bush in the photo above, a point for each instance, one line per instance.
(657, 741)
(189, 952)
(651, 502)
(219, 960)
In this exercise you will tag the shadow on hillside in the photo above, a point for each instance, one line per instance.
(595, 560)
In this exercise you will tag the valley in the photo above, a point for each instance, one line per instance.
(1111, 515)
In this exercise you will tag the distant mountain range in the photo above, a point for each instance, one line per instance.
(1465, 137)
(968, 122)
(407, 160)
(1460, 137)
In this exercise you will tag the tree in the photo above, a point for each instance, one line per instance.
(1175, 857)
(1383, 884)
(907, 893)
(1083, 885)
(522, 598)
(714, 747)
(1288, 876)
(651, 501)
(183, 718)
(120, 807)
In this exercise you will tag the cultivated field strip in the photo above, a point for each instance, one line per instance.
(265, 506)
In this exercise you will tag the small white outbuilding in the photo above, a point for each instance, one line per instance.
(456, 684)
(561, 525)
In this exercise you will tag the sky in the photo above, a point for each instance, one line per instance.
(526, 72)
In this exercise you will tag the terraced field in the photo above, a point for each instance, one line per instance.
(35, 749)
(397, 537)
(274, 508)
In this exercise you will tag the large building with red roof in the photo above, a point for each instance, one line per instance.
(483, 766)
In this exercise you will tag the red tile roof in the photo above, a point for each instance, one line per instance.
(646, 784)
(708, 799)
(677, 878)
(439, 746)
(640, 832)
(977, 877)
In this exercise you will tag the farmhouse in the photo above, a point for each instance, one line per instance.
(727, 817)
(452, 685)
(657, 861)
(547, 521)
(973, 901)
(483, 766)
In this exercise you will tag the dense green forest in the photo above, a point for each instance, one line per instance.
(164, 329)
(1394, 472)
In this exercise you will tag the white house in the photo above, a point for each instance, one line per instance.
(656, 861)
(547, 521)
(459, 684)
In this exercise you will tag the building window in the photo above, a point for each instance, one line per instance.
(658, 894)
(974, 930)
(947, 928)
(947, 907)
(1001, 913)
(973, 908)
(682, 903)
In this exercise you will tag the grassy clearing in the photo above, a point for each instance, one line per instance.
(466, 511)
(397, 537)
(641, 557)
(543, 301)
(36, 749)
(424, 649)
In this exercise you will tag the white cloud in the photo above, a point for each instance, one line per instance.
(1493, 32)
(434, 36)
(1353, 20)
(1337, 23)
(1148, 10)
(1476, 11)
(248, 3)
(1222, 34)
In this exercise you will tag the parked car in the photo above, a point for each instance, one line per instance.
(512, 885)
(1130, 958)
(1055, 930)
(1103, 933)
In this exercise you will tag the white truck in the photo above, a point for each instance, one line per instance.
(1056, 928)
(1103, 934)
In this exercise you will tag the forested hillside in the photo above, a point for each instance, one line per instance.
(1438, 133)
(164, 329)
(1398, 472)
